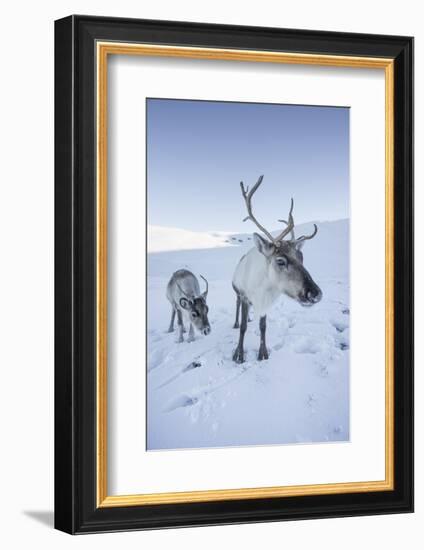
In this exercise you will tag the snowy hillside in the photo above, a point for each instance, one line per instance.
(161, 239)
(198, 397)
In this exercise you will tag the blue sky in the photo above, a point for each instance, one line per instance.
(199, 151)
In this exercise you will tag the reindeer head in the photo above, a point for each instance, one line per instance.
(284, 257)
(197, 309)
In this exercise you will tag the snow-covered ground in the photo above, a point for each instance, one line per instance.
(162, 239)
(198, 397)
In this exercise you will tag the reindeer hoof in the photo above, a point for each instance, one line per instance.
(170, 330)
(179, 340)
(238, 356)
(263, 353)
(190, 339)
(236, 325)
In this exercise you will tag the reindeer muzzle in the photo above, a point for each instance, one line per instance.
(313, 296)
(310, 296)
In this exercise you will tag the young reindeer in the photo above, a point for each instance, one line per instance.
(273, 267)
(183, 292)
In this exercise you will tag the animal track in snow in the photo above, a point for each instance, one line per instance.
(311, 400)
(181, 402)
(192, 365)
(306, 345)
(342, 341)
(278, 346)
(340, 326)
(292, 322)
(323, 371)
(202, 394)
(188, 368)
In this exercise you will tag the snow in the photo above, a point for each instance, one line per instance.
(198, 397)
(162, 239)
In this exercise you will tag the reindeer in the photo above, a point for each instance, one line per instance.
(273, 267)
(183, 292)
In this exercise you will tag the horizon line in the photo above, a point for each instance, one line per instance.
(226, 231)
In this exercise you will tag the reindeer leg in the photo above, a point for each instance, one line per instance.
(171, 325)
(238, 356)
(180, 327)
(236, 322)
(191, 334)
(263, 352)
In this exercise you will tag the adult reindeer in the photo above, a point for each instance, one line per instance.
(183, 292)
(273, 267)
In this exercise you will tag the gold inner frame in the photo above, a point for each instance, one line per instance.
(104, 49)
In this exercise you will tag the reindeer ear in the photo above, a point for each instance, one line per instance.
(264, 246)
(185, 304)
(299, 245)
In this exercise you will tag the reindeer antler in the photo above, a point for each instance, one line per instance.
(307, 237)
(303, 237)
(247, 195)
(290, 225)
(292, 236)
(207, 287)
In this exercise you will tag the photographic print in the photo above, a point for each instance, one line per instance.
(247, 274)
(217, 300)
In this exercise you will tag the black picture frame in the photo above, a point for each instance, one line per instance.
(76, 510)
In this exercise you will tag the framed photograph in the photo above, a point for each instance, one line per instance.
(234, 274)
